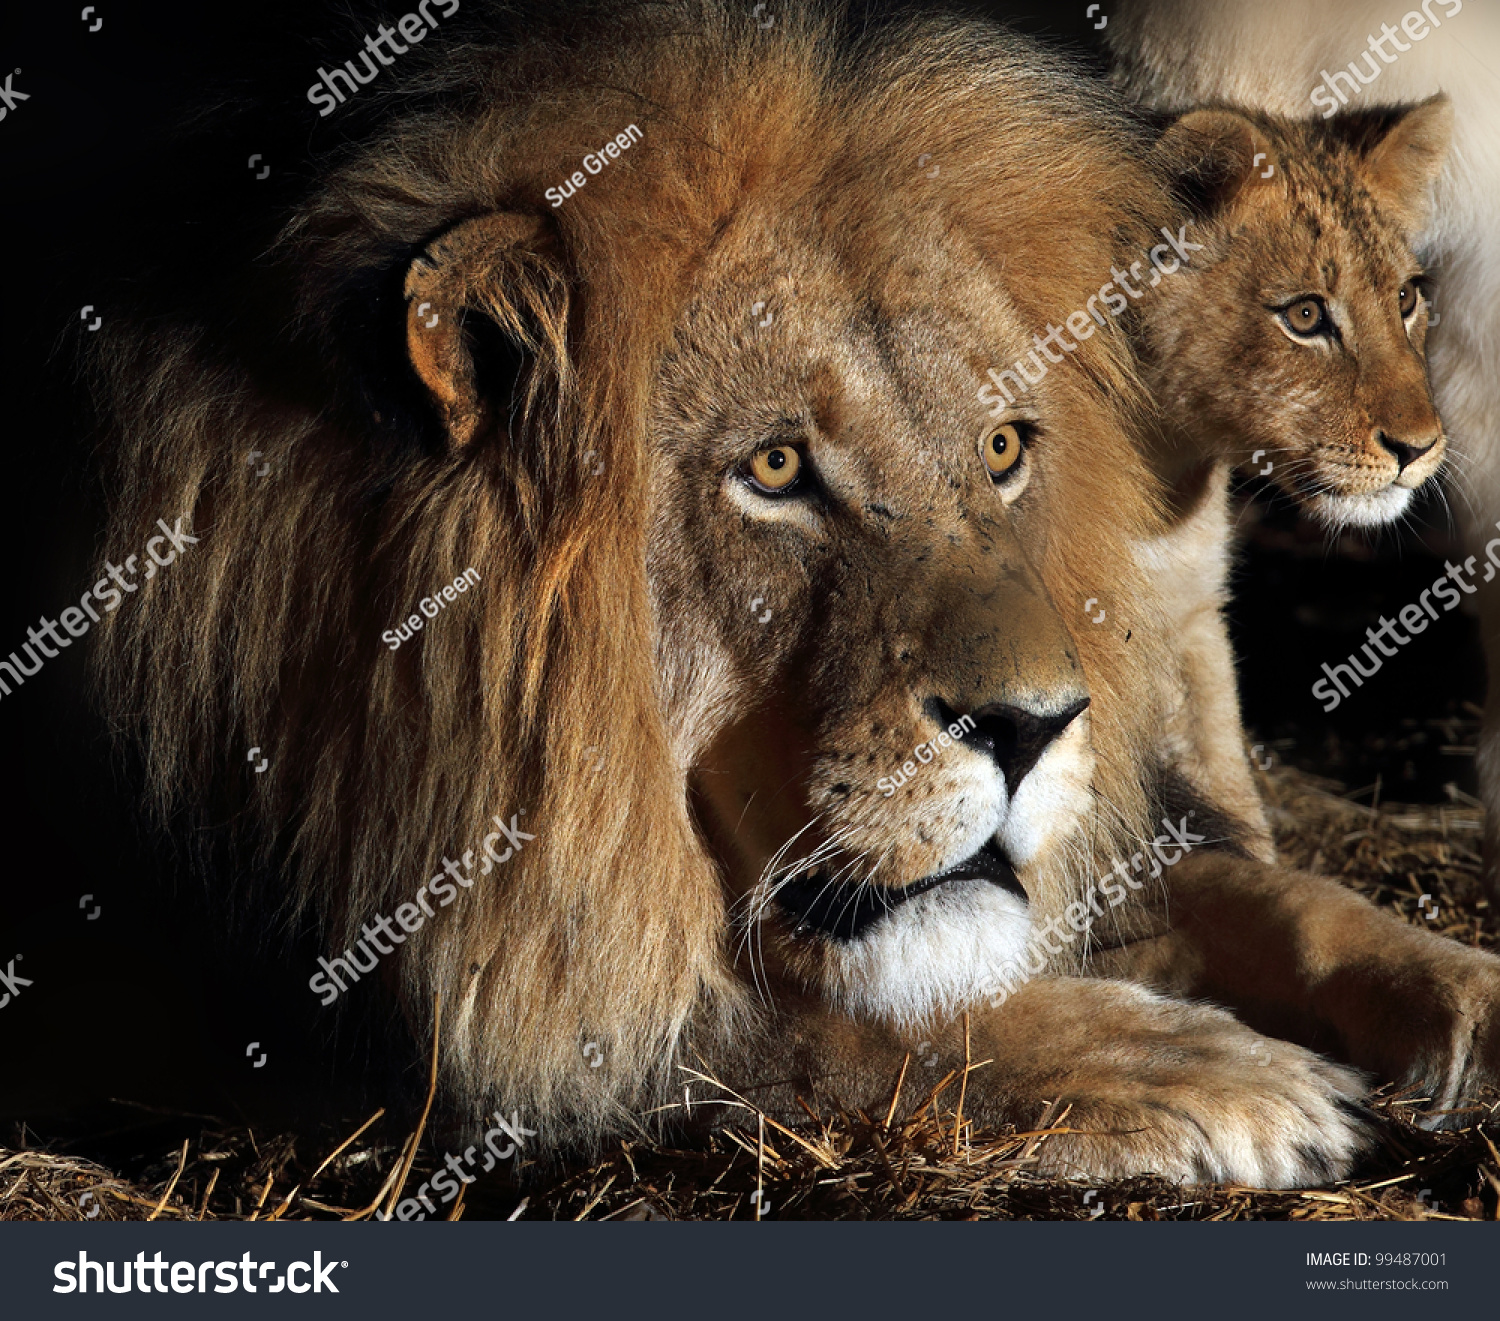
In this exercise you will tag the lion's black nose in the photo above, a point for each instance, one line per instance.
(1011, 736)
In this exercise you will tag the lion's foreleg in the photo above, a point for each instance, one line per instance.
(1120, 1081)
(1304, 958)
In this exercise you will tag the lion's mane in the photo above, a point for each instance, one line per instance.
(539, 690)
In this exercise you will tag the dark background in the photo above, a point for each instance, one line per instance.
(132, 1018)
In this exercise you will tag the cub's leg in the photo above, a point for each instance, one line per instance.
(1205, 739)
(1474, 481)
(1489, 737)
(1301, 957)
(1149, 1085)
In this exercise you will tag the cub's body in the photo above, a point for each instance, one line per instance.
(1292, 346)
(1311, 60)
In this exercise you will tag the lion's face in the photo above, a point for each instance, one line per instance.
(1299, 338)
(879, 709)
(1321, 380)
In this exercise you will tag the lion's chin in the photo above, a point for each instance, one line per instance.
(931, 955)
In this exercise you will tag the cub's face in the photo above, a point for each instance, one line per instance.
(1297, 341)
(880, 714)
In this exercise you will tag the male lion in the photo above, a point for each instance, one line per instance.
(746, 548)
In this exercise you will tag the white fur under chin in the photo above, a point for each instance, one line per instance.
(1375, 510)
(931, 957)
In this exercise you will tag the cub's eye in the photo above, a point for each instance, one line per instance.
(1001, 447)
(1307, 317)
(774, 470)
(1407, 298)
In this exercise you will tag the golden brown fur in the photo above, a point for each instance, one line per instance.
(616, 675)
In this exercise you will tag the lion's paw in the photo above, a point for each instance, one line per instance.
(1161, 1087)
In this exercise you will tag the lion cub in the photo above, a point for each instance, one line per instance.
(1292, 345)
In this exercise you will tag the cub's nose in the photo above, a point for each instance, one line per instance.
(1013, 737)
(1406, 452)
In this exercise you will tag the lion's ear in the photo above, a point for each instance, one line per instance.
(1404, 164)
(1209, 156)
(496, 270)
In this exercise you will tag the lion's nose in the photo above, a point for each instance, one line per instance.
(1013, 737)
(1406, 452)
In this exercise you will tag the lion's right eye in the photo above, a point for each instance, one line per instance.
(774, 470)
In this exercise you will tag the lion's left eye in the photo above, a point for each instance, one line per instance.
(1407, 298)
(775, 469)
(1001, 448)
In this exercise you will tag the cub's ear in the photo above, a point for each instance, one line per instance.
(1209, 156)
(1407, 158)
(480, 297)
